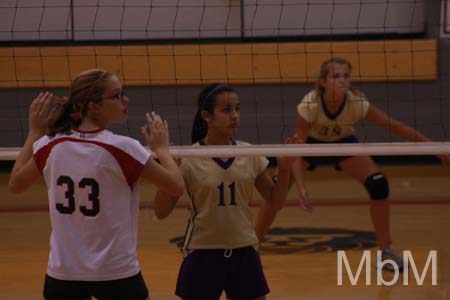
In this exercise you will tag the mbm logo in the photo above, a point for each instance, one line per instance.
(408, 260)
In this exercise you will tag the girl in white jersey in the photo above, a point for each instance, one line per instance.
(327, 115)
(92, 181)
(220, 237)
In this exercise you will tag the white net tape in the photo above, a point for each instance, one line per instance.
(362, 149)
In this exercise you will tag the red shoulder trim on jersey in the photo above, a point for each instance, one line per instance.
(131, 167)
(40, 157)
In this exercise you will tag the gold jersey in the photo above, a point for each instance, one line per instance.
(327, 127)
(220, 191)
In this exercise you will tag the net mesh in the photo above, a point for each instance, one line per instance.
(270, 51)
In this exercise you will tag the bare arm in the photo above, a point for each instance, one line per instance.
(264, 219)
(164, 204)
(394, 126)
(301, 130)
(378, 117)
(274, 196)
(25, 171)
(274, 193)
(166, 175)
(301, 135)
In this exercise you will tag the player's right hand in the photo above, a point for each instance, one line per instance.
(39, 114)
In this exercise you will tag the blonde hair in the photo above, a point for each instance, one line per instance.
(325, 70)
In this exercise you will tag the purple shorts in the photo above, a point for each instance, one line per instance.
(204, 274)
(315, 161)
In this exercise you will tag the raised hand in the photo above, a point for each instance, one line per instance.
(39, 114)
(157, 133)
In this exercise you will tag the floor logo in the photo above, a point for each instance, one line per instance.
(310, 240)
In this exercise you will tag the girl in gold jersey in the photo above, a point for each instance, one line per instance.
(327, 115)
(220, 238)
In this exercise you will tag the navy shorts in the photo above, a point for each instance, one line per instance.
(128, 288)
(204, 274)
(315, 161)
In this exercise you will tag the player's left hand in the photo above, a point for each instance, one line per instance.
(303, 199)
(157, 134)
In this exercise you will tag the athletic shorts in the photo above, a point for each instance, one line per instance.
(121, 289)
(205, 274)
(315, 161)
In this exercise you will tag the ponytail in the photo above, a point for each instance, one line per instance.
(199, 128)
(60, 117)
(87, 86)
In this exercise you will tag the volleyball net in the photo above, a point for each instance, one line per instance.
(270, 51)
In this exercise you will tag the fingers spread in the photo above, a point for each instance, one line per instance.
(34, 103)
(149, 118)
(144, 132)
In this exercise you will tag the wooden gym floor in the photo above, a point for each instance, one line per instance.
(299, 255)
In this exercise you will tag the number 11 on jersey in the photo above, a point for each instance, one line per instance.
(232, 188)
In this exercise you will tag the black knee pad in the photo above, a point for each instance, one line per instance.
(377, 186)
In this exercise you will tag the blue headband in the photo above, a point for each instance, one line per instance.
(211, 92)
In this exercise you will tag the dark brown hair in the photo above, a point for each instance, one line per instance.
(206, 102)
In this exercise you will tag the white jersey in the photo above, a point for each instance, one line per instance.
(220, 192)
(327, 127)
(92, 183)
